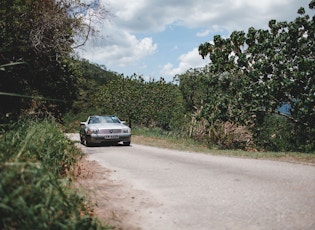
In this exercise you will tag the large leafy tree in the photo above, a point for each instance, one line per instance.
(263, 70)
(36, 43)
(278, 64)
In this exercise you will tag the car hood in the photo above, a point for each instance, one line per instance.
(107, 126)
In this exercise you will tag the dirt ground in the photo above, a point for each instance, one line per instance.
(116, 204)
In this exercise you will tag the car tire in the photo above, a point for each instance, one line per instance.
(82, 141)
(126, 143)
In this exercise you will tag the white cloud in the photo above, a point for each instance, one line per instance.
(120, 48)
(123, 42)
(203, 33)
(152, 15)
(192, 59)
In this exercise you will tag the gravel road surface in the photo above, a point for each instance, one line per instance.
(184, 190)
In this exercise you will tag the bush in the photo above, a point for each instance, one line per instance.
(71, 121)
(43, 142)
(275, 133)
(226, 135)
(35, 190)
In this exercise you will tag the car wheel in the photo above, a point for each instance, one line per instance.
(82, 139)
(126, 143)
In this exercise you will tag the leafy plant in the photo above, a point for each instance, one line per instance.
(35, 185)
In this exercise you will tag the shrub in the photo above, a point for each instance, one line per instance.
(277, 133)
(39, 142)
(226, 135)
(35, 191)
(274, 134)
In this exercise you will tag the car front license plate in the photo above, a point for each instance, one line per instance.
(111, 137)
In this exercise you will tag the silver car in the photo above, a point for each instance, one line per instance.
(104, 129)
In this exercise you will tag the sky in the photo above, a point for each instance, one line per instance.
(160, 38)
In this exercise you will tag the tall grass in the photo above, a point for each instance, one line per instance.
(35, 190)
(163, 139)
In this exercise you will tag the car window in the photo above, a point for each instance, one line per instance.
(115, 120)
(104, 119)
(109, 119)
(94, 120)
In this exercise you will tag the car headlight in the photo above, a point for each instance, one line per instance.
(92, 131)
(126, 130)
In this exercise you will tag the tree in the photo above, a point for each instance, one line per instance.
(194, 87)
(163, 105)
(41, 35)
(153, 103)
(122, 97)
(272, 67)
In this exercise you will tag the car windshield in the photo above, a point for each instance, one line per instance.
(103, 119)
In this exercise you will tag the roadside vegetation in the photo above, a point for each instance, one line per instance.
(36, 174)
(163, 139)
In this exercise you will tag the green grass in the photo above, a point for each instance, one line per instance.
(35, 180)
(163, 139)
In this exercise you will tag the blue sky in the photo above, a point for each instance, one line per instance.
(160, 38)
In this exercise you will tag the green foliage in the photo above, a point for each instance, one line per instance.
(220, 112)
(252, 74)
(153, 103)
(275, 133)
(277, 66)
(194, 86)
(121, 97)
(152, 132)
(92, 77)
(34, 192)
(39, 34)
(221, 134)
(71, 121)
(39, 142)
(31, 198)
(162, 139)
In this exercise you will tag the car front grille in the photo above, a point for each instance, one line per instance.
(109, 131)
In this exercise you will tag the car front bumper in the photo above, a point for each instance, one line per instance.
(103, 138)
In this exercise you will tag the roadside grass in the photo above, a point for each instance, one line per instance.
(162, 139)
(36, 174)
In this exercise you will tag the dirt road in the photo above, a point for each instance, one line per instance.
(152, 188)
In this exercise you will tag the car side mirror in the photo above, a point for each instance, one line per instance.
(82, 125)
